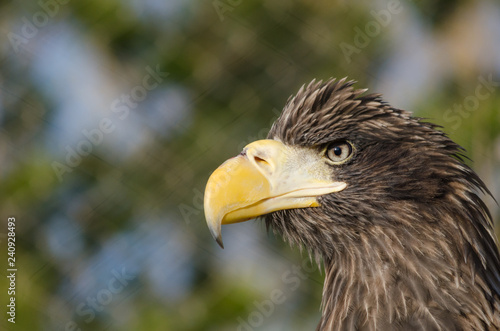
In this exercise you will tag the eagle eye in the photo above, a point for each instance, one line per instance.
(338, 152)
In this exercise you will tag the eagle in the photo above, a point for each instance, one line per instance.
(382, 200)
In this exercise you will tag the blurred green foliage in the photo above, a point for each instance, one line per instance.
(237, 64)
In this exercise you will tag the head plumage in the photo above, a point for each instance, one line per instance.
(321, 109)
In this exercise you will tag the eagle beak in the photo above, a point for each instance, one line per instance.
(267, 176)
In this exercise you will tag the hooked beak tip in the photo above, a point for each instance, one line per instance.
(219, 241)
(216, 234)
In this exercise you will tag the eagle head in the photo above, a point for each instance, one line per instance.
(381, 198)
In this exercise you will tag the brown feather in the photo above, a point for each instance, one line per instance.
(409, 244)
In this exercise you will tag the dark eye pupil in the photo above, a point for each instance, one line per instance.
(338, 151)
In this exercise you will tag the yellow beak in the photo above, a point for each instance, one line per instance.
(267, 176)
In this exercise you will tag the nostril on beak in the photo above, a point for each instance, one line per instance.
(264, 165)
(259, 160)
(265, 155)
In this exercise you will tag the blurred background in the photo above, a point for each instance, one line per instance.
(113, 114)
